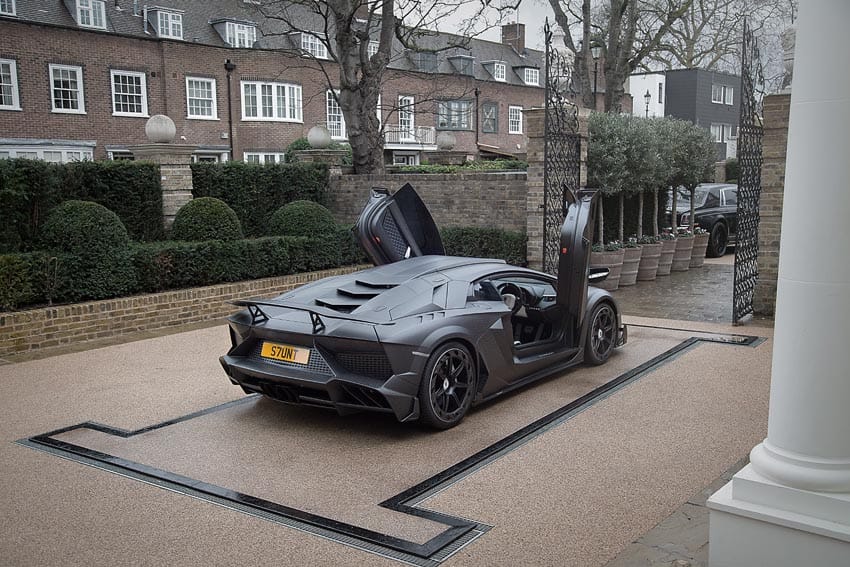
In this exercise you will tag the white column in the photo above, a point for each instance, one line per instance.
(791, 506)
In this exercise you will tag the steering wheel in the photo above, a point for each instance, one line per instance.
(509, 288)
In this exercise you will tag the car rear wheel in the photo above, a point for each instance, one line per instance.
(717, 241)
(601, 334)
(447, 387)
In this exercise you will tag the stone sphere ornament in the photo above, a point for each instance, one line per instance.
(160, 129)
(319, 137)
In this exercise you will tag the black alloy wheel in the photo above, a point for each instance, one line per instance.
(717, 241)
(601, 334)
(447, 387)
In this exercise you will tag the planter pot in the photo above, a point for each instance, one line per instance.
(698, 253)
(611, 260)
(649, 257)
(682, 255)
(665, 261)
(631, 261)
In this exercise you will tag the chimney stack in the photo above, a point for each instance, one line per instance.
(514, 35)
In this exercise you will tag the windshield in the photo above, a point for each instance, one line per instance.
(700, 195)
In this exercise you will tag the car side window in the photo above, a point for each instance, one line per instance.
(731, 196)
(484, 290)
(712, 199)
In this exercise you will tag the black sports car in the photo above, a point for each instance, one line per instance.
(423, 335)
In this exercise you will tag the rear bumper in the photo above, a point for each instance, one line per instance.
(341, 391)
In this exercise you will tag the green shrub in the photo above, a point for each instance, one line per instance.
(733, 170)
(302, 218)
(256, 191)
(296, 146)
(206, 218)
(96, 247)
(15, 282)
(28, 190)
(486, 243)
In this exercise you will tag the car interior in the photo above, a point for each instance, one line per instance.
(534, 310)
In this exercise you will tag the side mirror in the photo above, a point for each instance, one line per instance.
(596, 275)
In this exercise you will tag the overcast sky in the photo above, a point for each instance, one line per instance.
(532, 13)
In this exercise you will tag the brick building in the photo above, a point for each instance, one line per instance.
(79, 78)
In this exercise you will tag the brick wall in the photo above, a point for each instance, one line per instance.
(775, 141)
(23, 331)
(468, 199)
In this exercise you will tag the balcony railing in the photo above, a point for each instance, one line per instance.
(418, 136)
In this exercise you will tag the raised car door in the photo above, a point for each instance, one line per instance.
(574, 256)
(398, 226)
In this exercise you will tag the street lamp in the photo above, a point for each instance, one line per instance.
(596, 52)
(646, 97)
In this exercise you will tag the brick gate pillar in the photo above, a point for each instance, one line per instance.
(774, 145)
(174, 161)
(535, 130)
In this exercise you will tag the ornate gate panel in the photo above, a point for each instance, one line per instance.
(562, 150)
(749, 180)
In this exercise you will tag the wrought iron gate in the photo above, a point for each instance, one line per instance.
(562, 150)
(749, 179)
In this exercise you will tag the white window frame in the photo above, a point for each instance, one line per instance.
(723, 132)
(143, 94)
(287, 109)
(312, 45)
(514, 120)
(10, 11)
(372, 48)
(94, 11)
(728, 95)
(13, 77)
(81, 99)
(240, 35)
(335, 118)
(68, 153)
(722, 94)
(213, 98)
(264, 158)
(405, 158)
(531, 76)
(171, 19)
(406, 117)
(500, 72)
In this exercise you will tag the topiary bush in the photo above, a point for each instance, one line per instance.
(206, 218)
(97, 248)
(302, 218)
(476, 242)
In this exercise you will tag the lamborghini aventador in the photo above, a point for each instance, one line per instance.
(422, 335)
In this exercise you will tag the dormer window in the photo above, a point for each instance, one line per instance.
(463, 64)
(312, 45)
(499, 72)
(7, 7)
(170, 25)
(241, 35)
(91, 13)
(424, 61)
(531, 76)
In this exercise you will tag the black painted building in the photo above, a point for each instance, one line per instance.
(710, 99)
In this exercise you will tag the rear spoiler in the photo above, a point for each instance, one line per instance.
(255, 308)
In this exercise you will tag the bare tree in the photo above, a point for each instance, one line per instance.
(619, 27)
(363, 37)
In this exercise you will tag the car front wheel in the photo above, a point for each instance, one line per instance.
(717, 241)
(601, 334)
(447, 386)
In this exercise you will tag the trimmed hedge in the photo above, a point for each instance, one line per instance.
(35, 277)
(98, 249)
(29, 189)
(486, 243)
(206, 218)
(302, 218)
(256, 191)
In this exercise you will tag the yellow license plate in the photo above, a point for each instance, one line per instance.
(285, 353)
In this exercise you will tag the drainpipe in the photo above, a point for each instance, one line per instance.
(477, 112)
(229, 66)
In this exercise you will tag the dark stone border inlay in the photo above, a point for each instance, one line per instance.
(459, 532)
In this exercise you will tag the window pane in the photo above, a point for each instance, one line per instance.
(268, 102)
(128, 95)
(199, 93)
(295, 103)
(65, 89)
(250, 99)
(7, 85)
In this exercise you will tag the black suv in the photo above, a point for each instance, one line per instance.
(715, 210)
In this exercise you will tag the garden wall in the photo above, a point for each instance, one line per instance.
(484, 200)
(22, 331)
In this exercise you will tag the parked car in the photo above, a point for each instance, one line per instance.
(715, 210)
(422, 335)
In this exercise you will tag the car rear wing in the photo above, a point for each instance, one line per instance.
(255, 308)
